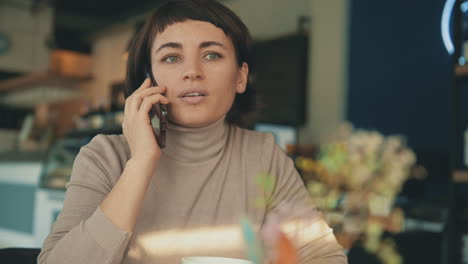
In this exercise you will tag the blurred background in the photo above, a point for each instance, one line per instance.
(358, 92)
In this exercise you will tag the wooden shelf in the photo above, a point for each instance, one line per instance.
(41, 79)
(461, 71)
(460, 176)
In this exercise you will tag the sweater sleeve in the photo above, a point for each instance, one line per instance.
(312, 236)
(82, 233)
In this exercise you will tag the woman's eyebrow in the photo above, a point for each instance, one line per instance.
(177, 45)
(174, 45)
(207, 44)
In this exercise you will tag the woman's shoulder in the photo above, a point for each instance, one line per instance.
(108, 147)
(260, 146)
(100, 162)
(103, 142)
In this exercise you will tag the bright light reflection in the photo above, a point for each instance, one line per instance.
(227, 238)
(445, 25)
(464, 7)
(206, 239)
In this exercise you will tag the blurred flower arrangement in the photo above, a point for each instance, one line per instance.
(354, 181)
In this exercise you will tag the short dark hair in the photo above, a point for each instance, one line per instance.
(139, 56)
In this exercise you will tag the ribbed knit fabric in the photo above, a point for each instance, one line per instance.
(190, 145)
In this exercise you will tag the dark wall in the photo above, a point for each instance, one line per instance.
(12, 118)
(279, 69)
(400, 78)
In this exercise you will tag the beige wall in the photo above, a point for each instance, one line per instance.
(270, 18)
(327, 69)
(28, 33)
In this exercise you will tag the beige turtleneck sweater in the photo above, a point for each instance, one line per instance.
(204, 183)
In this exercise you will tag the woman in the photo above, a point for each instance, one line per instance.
(129, 201)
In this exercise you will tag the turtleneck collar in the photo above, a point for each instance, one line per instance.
(192, 145)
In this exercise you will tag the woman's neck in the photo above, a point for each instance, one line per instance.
(193, 145)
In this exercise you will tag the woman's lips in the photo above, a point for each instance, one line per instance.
(193, 99)
(193, 96)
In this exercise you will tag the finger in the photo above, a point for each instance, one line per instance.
(150, 91)
(130, 104)
(137, 98)
(126, 108)
(146, 83)
(151, 100)
(133, 104)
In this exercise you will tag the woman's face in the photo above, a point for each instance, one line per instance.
(197, 64)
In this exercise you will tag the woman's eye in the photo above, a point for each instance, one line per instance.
(212, 56)
(171, 59)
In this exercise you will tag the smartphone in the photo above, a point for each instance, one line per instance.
(161, 114)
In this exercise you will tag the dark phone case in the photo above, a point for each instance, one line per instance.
(161, 113)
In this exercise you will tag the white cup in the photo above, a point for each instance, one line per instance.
(214, 260)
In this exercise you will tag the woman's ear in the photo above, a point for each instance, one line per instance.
(242, 78)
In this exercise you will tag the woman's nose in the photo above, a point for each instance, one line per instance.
(193, 71)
